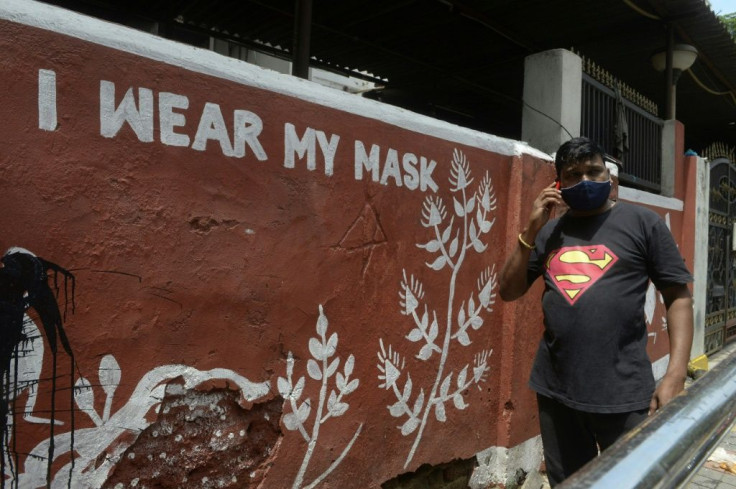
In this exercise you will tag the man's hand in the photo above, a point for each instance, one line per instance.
(548, 199)
(667, 389)
(512, 283)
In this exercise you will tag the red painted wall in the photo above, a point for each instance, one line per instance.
(212, 284)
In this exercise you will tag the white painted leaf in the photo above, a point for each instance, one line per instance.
(84, 396)
(453, 247)
(410, 301)
(432, 246)
(291, 421)
(414, 335)
(446, 234)
(316, 349)
(425, 319)
(298, 389)
(340, 382)
(485, 294)
(322, 322)
(332, 399)
(433, 330)
(109, 374)
(418, 404)
(459, 209)
(407, 389)
(303, 412)
(445, 386)
(461, 316)
(284, 387)
(459, 402)
(425, 352)
(485, 226)
(339, 409)
(313, 370)
(409, 427)
(462, 376)
(331, 345)
(397, 409)
(479, 246)
(485, 201)
(352, 385)
(439, 412)
(332, 367)
(470, 205)
(349, 364)
(434, 216)
(471, 306)
(476, 322)
(463, 338)
(472, 232)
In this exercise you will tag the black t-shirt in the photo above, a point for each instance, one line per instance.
(592, 356)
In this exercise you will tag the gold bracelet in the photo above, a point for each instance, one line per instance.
(525, 244)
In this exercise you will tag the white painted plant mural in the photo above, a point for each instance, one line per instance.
(451, 242)
(322, 367)
(97, 449)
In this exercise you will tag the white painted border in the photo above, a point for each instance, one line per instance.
(641, 197)
(55, 19)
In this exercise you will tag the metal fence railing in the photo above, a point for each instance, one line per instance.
(643, 161)
(670, 446)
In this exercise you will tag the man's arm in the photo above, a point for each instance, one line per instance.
(512, 283)
(679, 304)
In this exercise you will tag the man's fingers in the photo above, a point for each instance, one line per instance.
(653, 405)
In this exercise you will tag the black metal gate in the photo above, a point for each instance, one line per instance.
(720, 319)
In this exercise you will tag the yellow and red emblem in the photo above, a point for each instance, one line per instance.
(575, 268)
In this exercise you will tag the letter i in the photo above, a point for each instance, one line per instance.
(47, 100)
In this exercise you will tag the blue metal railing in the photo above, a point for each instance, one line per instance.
(670, 446)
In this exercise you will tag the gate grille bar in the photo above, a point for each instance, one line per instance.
(668, 448)
(643, 162)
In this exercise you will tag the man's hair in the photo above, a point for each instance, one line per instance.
(577, 149)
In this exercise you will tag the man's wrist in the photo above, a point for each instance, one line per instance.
(526, 243)
(675, 376)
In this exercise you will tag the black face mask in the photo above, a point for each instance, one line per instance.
(586, 195)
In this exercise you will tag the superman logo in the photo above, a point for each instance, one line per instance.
(575, 268)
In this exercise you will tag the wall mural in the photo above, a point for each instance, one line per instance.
(23, 287)
(90, 453)
(321, 369)
(84, 457)
(100, 448)
(451, 242)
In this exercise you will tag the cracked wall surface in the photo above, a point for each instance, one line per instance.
(202, 439)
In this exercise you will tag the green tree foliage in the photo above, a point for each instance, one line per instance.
(730, 21)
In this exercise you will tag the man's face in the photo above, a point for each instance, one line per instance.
(587, 169)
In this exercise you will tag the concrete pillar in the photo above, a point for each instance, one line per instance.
(669, 153)
(700, 261)
(553, 85)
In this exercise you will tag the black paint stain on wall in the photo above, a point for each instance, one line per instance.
(24, 286)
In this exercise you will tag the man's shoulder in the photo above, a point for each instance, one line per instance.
(636, 211)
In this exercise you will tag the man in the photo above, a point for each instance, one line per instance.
(591, 373)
